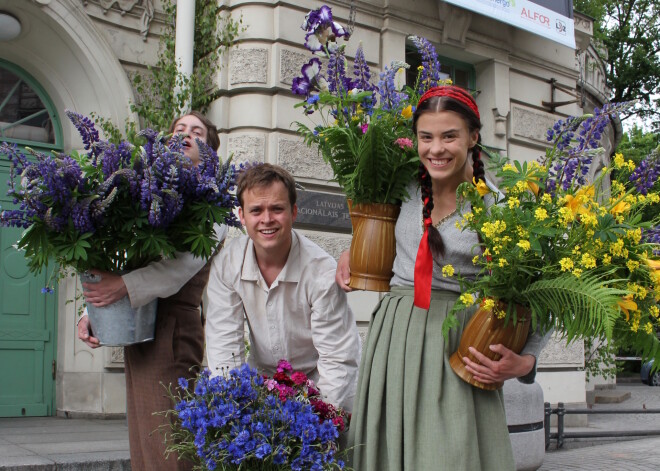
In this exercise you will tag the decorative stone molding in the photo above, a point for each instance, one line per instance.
(245, 148)
(301, 160)
(126, 6)
(456, 24)
(530, 124)
(248, 66)
(114, 357)
(558, 354)
(290, 64)
(584, 30)
(363, 330)
(500, 124)
(593, 76)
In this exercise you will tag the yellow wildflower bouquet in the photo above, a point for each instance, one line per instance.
(578, 255)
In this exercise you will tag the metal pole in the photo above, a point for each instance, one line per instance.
(184, 43)
(546, 423)
(560, 424)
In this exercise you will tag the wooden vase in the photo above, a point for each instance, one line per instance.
(373, 246)
(485, 329)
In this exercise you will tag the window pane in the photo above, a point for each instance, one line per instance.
(23, 116)
(445, 71)
(461, 78)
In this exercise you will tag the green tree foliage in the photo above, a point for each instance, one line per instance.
(630, 33)
(158, 101)
(599, 358)
(637, 144)
(215, 32)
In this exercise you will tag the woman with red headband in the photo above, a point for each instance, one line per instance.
(412, 412)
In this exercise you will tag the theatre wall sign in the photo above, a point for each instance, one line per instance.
(527, 15)
(323, 210)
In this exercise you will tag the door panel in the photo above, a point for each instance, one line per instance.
(27, 329)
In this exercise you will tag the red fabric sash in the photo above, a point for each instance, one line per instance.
(424, 270)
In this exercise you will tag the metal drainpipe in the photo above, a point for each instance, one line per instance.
(184, 41)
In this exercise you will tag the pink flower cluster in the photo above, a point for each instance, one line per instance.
(404, 143)
(287, 383)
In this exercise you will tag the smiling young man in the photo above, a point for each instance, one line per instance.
(283, 284)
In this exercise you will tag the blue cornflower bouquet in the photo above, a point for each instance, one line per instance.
(364, 130)
(243, 420)
(117, 206)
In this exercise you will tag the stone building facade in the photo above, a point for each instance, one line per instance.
(82, 53)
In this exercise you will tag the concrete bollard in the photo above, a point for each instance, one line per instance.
(524, 416)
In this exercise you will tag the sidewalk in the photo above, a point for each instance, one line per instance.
(616, 456)
(613, 454)
(53, 443)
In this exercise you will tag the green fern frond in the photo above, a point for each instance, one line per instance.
(370, 166)
(579, 307)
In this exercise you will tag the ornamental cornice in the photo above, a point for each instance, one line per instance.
(132, 14)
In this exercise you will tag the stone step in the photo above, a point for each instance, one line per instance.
(78, 462)
(611, 397)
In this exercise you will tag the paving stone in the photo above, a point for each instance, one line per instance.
(82, 444)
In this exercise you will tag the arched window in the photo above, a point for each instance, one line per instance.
(27, 116)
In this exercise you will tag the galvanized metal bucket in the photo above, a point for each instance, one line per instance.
(119, 324)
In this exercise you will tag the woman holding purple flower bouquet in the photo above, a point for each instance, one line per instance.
(178, 345)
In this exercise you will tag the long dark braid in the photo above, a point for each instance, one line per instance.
(436, 244)
(478, 171)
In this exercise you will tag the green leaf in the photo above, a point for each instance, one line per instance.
(579, 307)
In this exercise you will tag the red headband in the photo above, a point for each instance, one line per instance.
(452, 91)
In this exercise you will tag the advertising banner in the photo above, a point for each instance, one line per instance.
(527, 15)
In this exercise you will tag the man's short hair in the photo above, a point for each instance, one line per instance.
(212, 137)
(262, 175)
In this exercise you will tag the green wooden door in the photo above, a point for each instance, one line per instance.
(28, 318)
(27, 329)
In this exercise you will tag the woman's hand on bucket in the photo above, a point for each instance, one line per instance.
(343, 274)
(85, 333)
(109, 290)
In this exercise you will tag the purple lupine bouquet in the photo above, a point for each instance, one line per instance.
(117, 206)
(243, 420)
(579, 254)
(362, 129)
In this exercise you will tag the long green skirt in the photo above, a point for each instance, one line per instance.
(412, 412)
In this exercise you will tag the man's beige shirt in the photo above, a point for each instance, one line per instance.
(303, 317)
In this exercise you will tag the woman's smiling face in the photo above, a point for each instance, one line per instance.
(443, 143)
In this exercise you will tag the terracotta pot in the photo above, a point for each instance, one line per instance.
(373, 246)
(485, 329)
